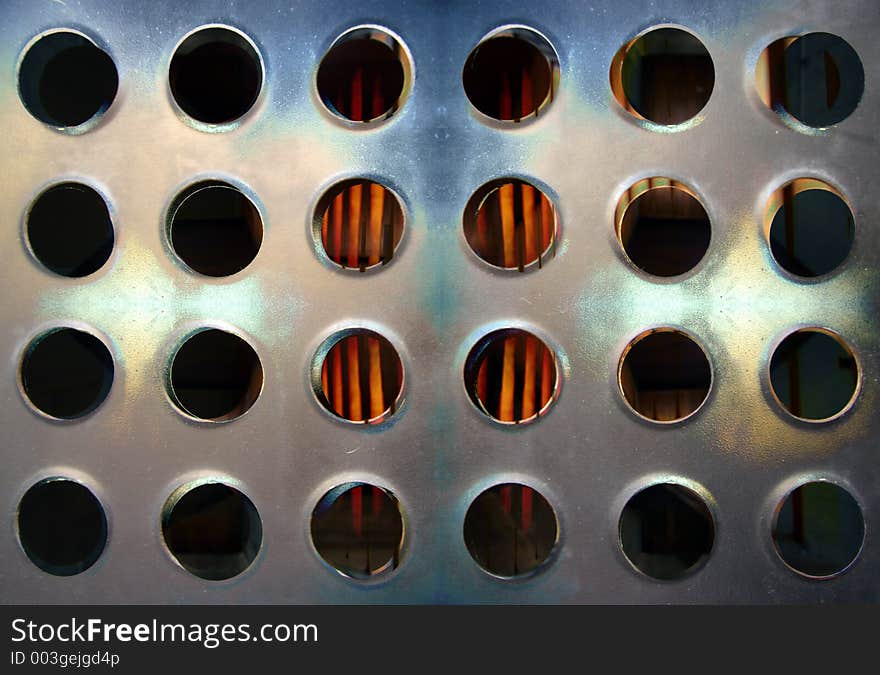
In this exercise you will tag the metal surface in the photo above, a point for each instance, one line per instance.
(433, 302)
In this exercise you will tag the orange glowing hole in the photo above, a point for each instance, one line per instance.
(361, 224)
(361, 378)
(511, 376)
(511, 224)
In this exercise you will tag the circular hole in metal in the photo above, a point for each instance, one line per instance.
(212, 529)
(511, 224)
(810, 227)
(61, 526)
(665, 76)
(360, 224)
(510, 530)
(814, 374)
(357, 528)
(364, 76)
(816, 78)
(664, 375)
(66, 373)
(511, 376)
(215, 229)
(361, 377)
(215, 376)
(511, 75)
(819, 529)
(662, 226)
(666, 531)
(215, 75)
(69, 230)
(65, 79)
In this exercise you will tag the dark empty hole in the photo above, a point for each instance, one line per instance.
(665, 76)
(216, 376)
(362, 78)
(665, 375)
(215, 229)
(812, 230)
(69, 230)
(65, 80)
(819, 529)
(510, 530)
(215, 75)
(361, 224)
(66, 373)
(813, 374)
(61, 526)
(817, 78)
(213, 530)
(510, 224)
(511, 376)
(664, 230)
(509, 77)
(358, 529)
(666, 531)
(361, 378)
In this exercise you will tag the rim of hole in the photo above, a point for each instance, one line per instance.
(618, 91)
(521, 482)
(384, 36)
(837, 337)
(248, 400)
(763, 78)
(247, 45)
(82, 482)
(698, 490)
(473, 361)
(185, 193)
(393, 411)
(63, 183)
(645, 334)
(34, 340)
(535, 39)
(100, 112)
(325, 202)
(629, 197)
(776, 201)
(478, 200)
(184, 489)
(797, 484)
(330, 495)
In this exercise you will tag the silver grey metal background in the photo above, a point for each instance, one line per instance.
(589, 453)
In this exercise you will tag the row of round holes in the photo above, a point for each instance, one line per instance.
(509, 223)
(510, 375)
(216, 76)
(214, 531)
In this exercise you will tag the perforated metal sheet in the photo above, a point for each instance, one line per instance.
(589, 453)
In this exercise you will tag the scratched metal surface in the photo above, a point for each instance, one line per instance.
(589, 453)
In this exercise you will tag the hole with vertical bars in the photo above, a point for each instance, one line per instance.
(361, 224)
(361, 377)
(511, 376)
(511, 224)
